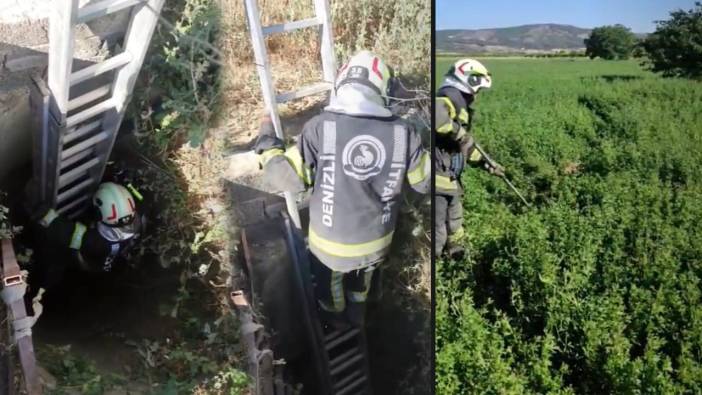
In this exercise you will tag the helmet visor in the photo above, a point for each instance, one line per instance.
(123, 222)
(479, 81)
(128, 225)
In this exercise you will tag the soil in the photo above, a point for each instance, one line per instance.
(97, 314)
(397, 343)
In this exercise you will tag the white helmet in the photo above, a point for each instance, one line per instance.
(115, 205)
(367, 69)
(468, 76)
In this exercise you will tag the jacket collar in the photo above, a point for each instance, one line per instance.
(358, 100)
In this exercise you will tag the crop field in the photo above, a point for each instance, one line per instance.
(595, 288)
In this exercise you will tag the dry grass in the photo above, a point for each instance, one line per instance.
(398, 31)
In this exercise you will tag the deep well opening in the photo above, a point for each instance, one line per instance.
(116, 331)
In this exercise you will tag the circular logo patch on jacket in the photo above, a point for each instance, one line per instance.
(363, 157)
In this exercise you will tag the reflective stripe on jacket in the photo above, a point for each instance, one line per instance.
(357, 167)
(453, 122)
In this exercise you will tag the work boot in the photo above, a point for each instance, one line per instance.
(332, 320)
(375, 294)
(455, 251)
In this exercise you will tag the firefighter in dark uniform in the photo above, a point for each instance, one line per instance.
(454, 147)
(355, 157)
(96, 246)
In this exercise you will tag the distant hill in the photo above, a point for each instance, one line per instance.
(546, 37)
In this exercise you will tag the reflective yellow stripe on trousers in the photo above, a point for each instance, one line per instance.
(349, 250)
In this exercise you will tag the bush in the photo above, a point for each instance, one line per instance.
(182, 75)
(610, 42)
(675, 48)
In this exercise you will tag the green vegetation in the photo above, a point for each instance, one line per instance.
(675, 48)
(5, 227)
(596, 289)
(610, 42)
(182, 73)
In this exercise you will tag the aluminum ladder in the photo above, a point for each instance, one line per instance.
(347, 354)
(271, 98)
(80, 111)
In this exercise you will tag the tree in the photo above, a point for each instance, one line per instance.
(610, 42)
(675, 48)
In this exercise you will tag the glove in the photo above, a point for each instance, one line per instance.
(266, 128)
(266, 137)
(466, 145)
(496, 170)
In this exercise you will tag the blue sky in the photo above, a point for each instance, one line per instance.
(476, 14)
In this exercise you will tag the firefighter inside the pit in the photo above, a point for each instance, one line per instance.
(355, 157)
(115, 227)
(453, 149)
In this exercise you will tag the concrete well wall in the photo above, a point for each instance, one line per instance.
(24, 44)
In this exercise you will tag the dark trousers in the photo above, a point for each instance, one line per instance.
(449, 221)
(334, 289)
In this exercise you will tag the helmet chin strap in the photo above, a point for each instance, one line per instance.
(358, 100)
(452, 82)
(113, 234)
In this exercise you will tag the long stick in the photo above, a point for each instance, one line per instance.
(494, 165)
(516, 191)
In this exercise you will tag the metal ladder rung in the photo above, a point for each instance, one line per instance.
(63, 196)
(290, 26)
(65, 179)
(341, 358)
(344, 337)
(102, 136)
(75, 159)
(346, 364)
(99, 68)
(95, 94)
(81, 131)
(82, 116)
(102, 8)
(73, 204)
(304, 91)
(348, 379)
(353, 386)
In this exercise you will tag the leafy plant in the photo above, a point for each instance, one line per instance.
(5, 227)
(610, 42)
(76, 374)
(675, 48)
(182, 73)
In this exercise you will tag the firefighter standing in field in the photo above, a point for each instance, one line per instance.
(454, 147)
(355, 157)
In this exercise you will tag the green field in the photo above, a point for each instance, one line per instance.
(595, 289)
